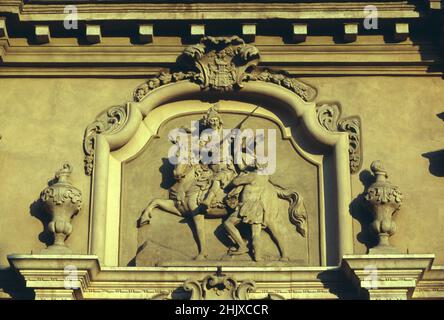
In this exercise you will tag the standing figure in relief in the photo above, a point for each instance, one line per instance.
(249, 186)
(258, 207)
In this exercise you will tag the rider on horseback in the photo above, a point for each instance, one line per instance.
(223, 169)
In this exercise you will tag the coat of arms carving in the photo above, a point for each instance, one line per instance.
(221, 62)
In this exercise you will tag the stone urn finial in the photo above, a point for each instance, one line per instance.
(62, 201)
(384, 199)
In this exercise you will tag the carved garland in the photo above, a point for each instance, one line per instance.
(223, 64)
(329, 117)
(382, 191)
(62, 191)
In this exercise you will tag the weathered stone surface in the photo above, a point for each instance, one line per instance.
(152, 237)
(310, 70)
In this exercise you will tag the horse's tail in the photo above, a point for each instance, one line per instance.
(297, 210)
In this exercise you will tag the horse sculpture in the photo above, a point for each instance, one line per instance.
(192, 185)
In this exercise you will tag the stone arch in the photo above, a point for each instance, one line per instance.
(122, 132)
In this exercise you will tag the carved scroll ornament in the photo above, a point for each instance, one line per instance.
(109, 122)
(219, 287)
(329, 115)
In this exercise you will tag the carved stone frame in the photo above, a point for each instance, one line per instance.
(115, 146)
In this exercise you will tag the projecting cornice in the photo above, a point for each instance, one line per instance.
(118, 57)
(124, 38)
(83, 277)
(175, 10)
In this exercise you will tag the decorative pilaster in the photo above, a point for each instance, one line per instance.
(62, 201)
(384, 199)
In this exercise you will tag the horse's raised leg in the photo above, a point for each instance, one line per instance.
(199, 223)
(277, 235)
(163, 204)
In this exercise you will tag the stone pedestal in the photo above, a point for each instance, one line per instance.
(375, 276)
(82, 277)
(386, 276)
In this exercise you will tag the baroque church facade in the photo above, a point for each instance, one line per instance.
(221, 150)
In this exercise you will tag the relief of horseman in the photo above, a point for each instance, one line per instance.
(219, 189)
(221, 161)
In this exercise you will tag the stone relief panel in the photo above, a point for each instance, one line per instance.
(227, 215)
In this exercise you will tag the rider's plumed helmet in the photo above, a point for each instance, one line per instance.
(212, 113)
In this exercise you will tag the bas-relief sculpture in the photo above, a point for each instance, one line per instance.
(237, 199)
(234, 194)
(225, 65)
(179, 244)
(243, 195)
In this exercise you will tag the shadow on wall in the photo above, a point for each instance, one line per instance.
(167, 171)
(14, 285)
(37, 210)
(132, 262)
(361, 212)
(436, 162)
(436, 158)
(338, 284)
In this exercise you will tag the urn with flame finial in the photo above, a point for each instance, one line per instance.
(61, 201)
(384, 199)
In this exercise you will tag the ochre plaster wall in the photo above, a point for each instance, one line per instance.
(42, 125)
(400, 124)
(42, 122)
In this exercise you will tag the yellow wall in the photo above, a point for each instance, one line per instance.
(43, 122)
